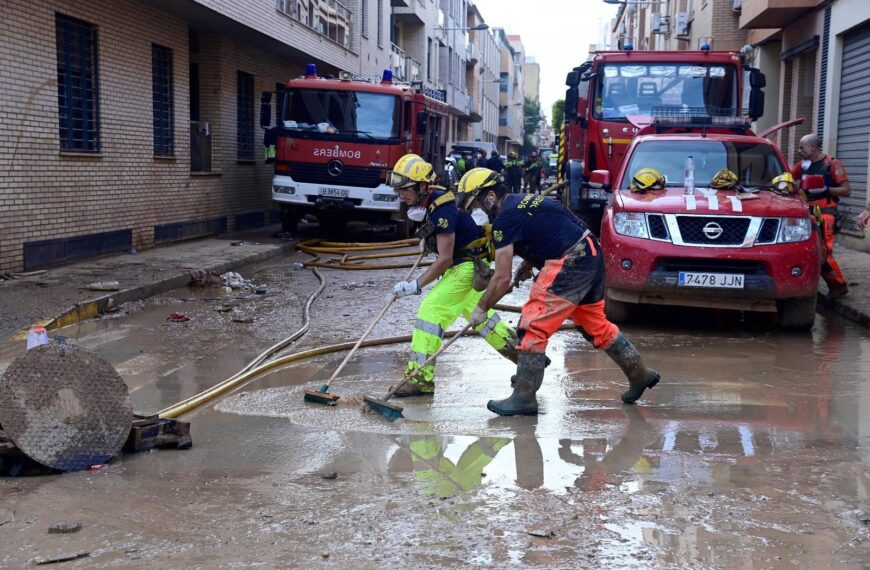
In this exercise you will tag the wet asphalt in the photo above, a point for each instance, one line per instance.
(752, 451)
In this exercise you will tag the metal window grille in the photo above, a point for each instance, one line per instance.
(78, 96)
(244, 116)
(364, 17)
(380, 23)
(163, 103)
(823, 76)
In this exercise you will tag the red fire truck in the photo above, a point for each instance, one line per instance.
(336, 138)
(607, 91)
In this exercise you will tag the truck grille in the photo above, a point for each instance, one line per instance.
(657, 227)
(692, 229)
(350, 176)
(768, 231)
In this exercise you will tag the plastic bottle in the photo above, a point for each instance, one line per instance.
(37, 336)
(689, 175)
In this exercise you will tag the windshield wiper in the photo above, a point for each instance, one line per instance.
(366, 133)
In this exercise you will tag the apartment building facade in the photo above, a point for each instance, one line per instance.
(128, 124)
(816, 55)
(678, 25)
(511, 98)
(482, 79)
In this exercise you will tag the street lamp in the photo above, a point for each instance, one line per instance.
(478, 27)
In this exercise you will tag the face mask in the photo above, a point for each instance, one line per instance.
(416, 214)
(806, 164)
(479, 216)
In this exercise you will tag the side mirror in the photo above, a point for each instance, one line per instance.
(266, 110)
(600, 179)
(812, 182)
(571, 102)
(757, 80)
(422, 122)
(756, 104)
(572, 79)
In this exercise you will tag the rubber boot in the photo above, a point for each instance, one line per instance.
(412, 389)
(530, 375)
(639, 376)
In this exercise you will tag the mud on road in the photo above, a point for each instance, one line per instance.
(752, 452)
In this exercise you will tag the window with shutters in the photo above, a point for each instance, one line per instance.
(78, 95)
(244, 116)
(162, 100)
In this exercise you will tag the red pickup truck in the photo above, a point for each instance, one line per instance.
(750, 248)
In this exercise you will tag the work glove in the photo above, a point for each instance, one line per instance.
(523, 272)
(478, 317)
(405, 288)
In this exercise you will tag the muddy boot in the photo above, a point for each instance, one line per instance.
(639, 376)
(412, 389)
(530, 374)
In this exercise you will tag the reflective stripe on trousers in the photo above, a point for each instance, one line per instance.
(451, 297)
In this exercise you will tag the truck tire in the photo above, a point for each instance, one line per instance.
(290, 216)
(616, 311)
(797, 314)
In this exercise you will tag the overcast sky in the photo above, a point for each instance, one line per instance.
(557, 33)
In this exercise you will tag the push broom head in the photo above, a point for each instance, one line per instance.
(321, 396)
(389, 411)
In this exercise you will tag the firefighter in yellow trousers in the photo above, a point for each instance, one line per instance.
(462, 248)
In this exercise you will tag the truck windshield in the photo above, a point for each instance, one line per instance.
(756, 164)
(624, 89)
(342, 114)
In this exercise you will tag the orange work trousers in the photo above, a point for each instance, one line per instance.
(569, 287)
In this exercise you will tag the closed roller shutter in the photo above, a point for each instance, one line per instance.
(853, 125)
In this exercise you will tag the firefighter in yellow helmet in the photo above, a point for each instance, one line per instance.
(785, 183)
(462, 249)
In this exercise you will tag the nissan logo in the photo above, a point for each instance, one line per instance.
(712, 230)
(334, 167)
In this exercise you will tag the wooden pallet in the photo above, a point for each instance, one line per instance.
(150, 432)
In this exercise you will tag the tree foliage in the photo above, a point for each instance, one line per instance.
(558, 114)
(531, 122)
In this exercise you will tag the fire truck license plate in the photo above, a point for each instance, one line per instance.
(720, 280)
(333, 192)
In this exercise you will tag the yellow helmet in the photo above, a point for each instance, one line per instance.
(473, 182)
(784, 182)
(647, 179)
(724, 180)
(410, 170)
(512, 155)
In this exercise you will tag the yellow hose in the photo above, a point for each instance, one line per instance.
(256, 368)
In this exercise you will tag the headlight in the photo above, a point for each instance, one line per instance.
(631, 224)
(794, 229)
(283, 189)
(595, 194)
(385, 197)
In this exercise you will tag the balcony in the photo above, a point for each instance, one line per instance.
(772, 13)
(410, 11)
(398, 62)
(413, 70)
(474, 113)
(470, 54)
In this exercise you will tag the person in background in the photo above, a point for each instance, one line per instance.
(494, 162)
(533, 168)
(836, 187)
(479, 161)
(513, 173)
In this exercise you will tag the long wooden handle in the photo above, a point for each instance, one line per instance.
(428, 361)
(374, 323)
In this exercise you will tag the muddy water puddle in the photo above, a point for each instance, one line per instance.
(752, 451)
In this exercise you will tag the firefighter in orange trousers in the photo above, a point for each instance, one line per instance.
(570, 284)
(836, 187)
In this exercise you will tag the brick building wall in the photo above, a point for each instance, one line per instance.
(46, 193)
(49, 194)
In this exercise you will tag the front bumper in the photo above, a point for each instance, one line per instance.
(287, 191)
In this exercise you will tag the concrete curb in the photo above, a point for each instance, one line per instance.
(841, 308)
(91, 308)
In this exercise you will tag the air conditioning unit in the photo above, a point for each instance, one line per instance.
(658, 24)
(682, 27)
(736, 5)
